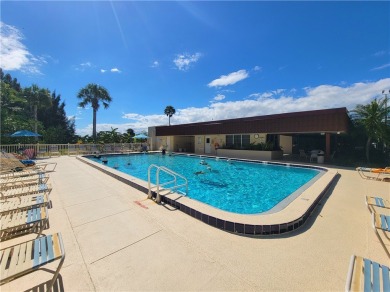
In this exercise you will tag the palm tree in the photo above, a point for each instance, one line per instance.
(169, 111)
(94, 94)
(371, 117)
(37, 97)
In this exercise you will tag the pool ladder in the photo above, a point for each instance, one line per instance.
(159, 185)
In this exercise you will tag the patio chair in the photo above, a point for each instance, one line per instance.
(20, 222)
(302, 154)
(314, 155)
(381, 222)
(23, 202)
(25, 190)
(29, 256)
(365, 274)
(377, 202)
(54, 150)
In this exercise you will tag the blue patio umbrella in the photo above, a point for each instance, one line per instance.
(25, 133)
(140, 136)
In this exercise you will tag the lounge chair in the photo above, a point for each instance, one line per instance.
(20, 222)
(10, 182)
(377, 202)
(26, 190)
(23, 202)
(367, 275)
(377, 172)
(29, 256)
(381, 222)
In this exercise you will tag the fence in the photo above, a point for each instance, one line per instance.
(49, 150)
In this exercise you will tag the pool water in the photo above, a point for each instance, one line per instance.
(230, 185)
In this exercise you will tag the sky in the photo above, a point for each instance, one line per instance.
(210, 60)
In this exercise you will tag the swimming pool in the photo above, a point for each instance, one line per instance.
(230, 185)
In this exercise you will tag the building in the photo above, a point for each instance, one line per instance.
(308, 130)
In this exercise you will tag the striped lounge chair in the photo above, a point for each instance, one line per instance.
(367, 275)
(381, 222)
(20, 222)
(23, 202)
(25, 190)
(29, 256)
(376, 202)
(12, 181)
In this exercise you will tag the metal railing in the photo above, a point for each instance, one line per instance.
(49, 150)
(165, 184)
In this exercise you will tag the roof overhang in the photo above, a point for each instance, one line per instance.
(334, 120)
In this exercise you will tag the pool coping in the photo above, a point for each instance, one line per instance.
(288, 219)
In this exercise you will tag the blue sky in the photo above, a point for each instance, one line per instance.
(209, 60)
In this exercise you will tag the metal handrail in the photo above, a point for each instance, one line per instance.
(158, 185)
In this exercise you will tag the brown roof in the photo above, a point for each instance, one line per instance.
(327, 121)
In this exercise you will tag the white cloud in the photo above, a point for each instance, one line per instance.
(262, 103)
(379, 53)
(113, 70)
(84, 66)
(257, 68)
(155, 64)
(184, 61)
(219, 97)
(13, 53)
(230, 79)
(381, 67)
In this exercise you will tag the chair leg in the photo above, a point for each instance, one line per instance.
(50, 285)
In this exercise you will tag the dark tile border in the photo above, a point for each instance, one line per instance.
(229, 226)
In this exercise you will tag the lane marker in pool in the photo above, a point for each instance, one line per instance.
(140, 204)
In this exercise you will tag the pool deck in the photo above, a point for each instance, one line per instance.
(118, 240)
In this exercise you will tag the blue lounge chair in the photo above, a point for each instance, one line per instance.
(367, 275)
(377, 202)
(381, 222)
(27, 257)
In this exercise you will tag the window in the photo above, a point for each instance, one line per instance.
(237, 141)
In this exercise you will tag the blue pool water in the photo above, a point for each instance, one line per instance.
(233, 186)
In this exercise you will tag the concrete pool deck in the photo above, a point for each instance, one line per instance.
(115, 239)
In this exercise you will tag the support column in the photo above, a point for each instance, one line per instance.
(327, 143)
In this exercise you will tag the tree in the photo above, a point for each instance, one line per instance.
(169, 111)
(55, 121)
(94, 94)
(37, 97)
(372, 118)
